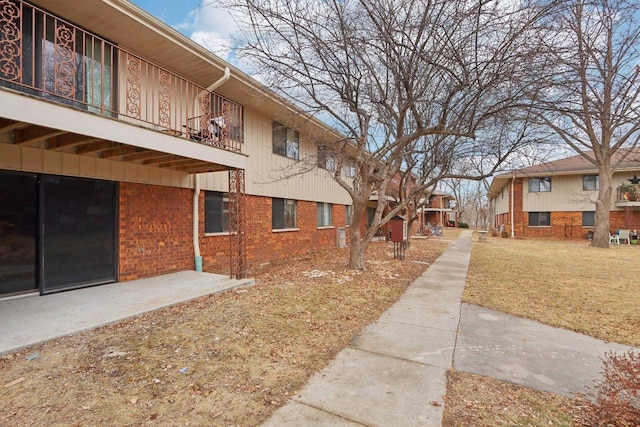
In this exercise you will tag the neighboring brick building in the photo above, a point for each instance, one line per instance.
(556, 199)
(126, 148)
(440, 210)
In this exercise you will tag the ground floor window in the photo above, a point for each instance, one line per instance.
(539, 219)
(588, 219)
(348, 214)
(216, 212)
(371, 213)
(325, 214)
(283, 214)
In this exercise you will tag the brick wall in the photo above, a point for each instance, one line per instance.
(568, 225)
(264, 245)
(155, 230)
(564, 225)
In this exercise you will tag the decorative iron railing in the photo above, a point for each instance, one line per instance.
(46, 56)
(628, 193)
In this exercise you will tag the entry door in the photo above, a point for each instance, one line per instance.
(18, 231)
(78, 232)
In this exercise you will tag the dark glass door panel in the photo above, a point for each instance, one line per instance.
(78, 235)
(18, 232)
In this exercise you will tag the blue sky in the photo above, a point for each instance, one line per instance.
(199, 20)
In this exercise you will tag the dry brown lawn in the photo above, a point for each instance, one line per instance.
(566, 284)
(223, 360)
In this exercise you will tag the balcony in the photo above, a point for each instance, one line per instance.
(44, 56)
(628, 195)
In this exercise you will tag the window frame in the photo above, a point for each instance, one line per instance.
(284, 207)
(537, 187)
(350, 167)
(537, 222)
(326, 161)
(324, 217)
(348, 215)
(595, 182)
(210, 225)
(285, 141)
(592, 219)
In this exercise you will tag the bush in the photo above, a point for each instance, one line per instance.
(615, 399)
(463, 225)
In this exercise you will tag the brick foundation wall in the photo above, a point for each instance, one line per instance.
(155, 230)
(264, 245)
(568, 225)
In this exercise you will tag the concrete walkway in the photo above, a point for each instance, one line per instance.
(394, 372)
(35, 319)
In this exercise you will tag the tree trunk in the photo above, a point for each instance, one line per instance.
(603, 210)
(358, 245)
(356, 250)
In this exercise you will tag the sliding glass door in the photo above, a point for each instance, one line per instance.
(18, 232)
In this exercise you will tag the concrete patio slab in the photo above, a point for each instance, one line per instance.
(35, 319)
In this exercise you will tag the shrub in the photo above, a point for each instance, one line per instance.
(463, 225)
(615, 399)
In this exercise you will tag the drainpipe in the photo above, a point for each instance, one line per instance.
(513, 184)
(224, 78)
(196, 211)
(196, 188)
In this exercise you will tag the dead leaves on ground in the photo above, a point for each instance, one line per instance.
(227, 359)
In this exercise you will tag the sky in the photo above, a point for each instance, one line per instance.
(200, 20)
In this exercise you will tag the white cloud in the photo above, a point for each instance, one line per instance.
(213, 27)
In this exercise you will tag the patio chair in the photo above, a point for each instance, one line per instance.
(614, 238)
(624, 235)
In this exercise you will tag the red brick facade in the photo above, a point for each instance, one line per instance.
(564, 224)
(156, 235)
(155, 230)
(263, 244)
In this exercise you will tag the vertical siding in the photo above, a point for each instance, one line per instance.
(28, 159)
(272, 175)
(566, 195)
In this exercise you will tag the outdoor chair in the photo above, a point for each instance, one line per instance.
(614, 238)
(624, 235)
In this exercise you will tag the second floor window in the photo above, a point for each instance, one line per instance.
(286, 141)
(283, 214)
(350, 168)
(540, 185)
(326, 161)
(590, 182)
(324, 214)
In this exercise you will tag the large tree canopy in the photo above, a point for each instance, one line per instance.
(590, 67)
(413, 84)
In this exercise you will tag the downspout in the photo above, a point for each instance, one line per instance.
(513, 184)
(224, 78)
(196, 221)
(196, 188)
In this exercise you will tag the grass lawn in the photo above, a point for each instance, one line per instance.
(222, 360)
(565, 284)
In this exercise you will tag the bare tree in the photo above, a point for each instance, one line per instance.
(409, 84)
(592, 93)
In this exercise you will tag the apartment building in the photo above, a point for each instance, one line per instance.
(557, 199)
(129, 151)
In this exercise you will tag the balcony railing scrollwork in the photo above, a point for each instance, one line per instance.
(46, 56)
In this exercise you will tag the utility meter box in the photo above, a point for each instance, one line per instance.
(398, 227)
